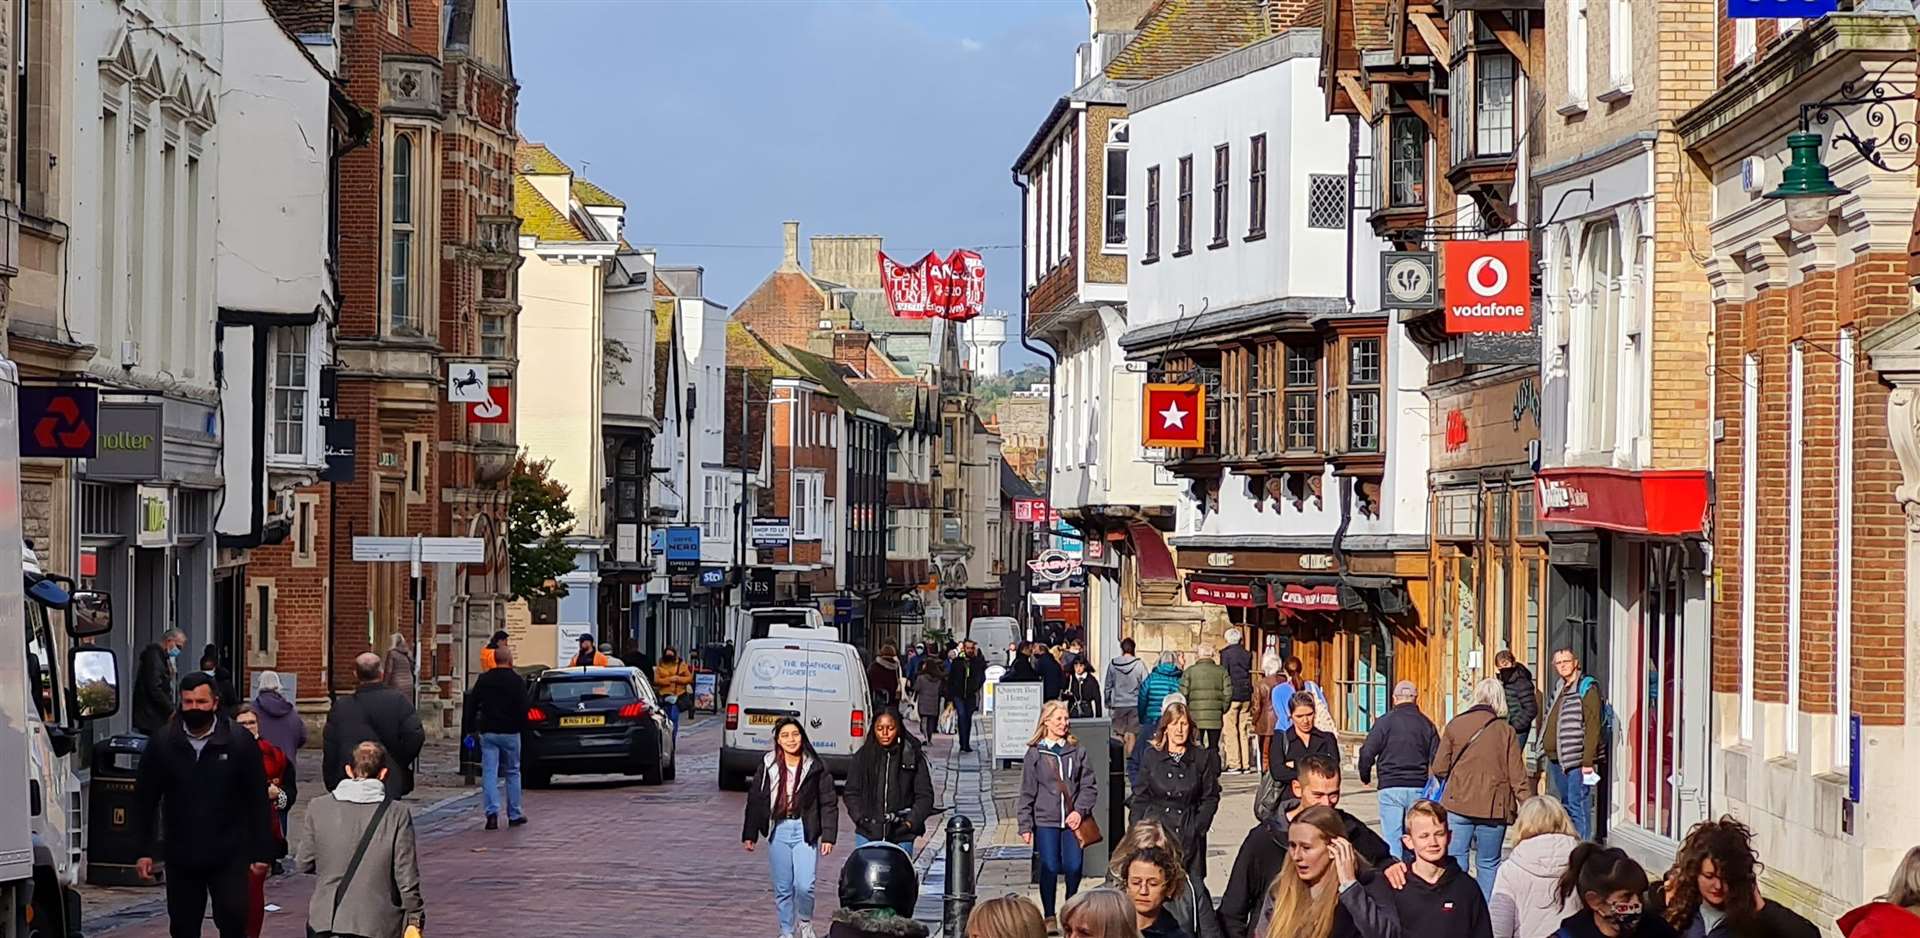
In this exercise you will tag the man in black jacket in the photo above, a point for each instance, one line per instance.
(964, 680)
(1403, 741)
(154, 682)
(1264, 853)
(202, 777)
(496, 712)
(1236, 730)
(1523, 700)
(374, 712)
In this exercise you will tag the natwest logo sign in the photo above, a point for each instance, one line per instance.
(1489, 286)
(1172, 416)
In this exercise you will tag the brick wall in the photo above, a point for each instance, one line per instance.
(1862, 297)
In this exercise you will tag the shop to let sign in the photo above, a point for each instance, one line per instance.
(1489, 286)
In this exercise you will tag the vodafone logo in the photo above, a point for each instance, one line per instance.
(1489, 287)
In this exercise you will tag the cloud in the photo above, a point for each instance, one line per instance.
(972, 45)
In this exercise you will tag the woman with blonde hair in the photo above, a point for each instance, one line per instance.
(1179, 786)
(1099, 913)
(1486, 780)
(1894, 915)
(1057, 793)
(1190, 906)
(1326, 889)
(1006, 917)
(1526, 902)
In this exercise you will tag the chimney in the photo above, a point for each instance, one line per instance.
(790, 260)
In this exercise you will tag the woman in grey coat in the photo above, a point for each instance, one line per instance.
(380, 898)
(1057, 792)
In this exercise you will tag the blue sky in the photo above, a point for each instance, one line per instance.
(715, 120)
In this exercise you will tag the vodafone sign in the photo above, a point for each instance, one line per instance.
(1489, 286)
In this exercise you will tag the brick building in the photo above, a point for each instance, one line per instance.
(428, 257)
(1816, 359)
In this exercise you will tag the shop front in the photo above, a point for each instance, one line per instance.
(1355, 631)
(1630, 594)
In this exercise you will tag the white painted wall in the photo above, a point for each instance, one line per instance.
(703, 336)
(1096, 439)
(560, 369)
(629, 320)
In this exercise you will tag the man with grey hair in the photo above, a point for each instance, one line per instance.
(1402, 742)
(1209, 693)
(154, 682)
(377, 713)
(1236, 728)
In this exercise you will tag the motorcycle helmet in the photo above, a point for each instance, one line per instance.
(879, 875)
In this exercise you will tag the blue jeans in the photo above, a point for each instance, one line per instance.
(500, 751)
(1394, 803)
(673, 714)
(861, 840)
(1484, 839)
(1576, 795)
(963, 717)
(792, 862)
(1060, 855)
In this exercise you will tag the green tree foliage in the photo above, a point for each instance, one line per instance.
(538, 521)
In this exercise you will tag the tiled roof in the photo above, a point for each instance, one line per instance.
(1313, 16)
(660, 287)
(899, 400)
(303, 17)
(1370, 25)
(588, 194)
(539, 218)
(745, 349)
(826, 374)
(536, 159)
(1178, 33)
(787, 299)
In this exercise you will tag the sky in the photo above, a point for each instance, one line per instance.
(715, 120)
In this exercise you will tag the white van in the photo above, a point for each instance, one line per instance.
(789, 622)
(993, 634)
(821, 683)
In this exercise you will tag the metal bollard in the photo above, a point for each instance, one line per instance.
(959, 896)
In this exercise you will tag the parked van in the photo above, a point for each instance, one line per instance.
(993, 634)
(821, 683)
(789, 622)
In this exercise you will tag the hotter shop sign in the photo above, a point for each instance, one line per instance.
(1489, 286)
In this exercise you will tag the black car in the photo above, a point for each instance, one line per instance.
(594, 721)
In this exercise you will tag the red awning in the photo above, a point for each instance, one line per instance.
(1239, 595)
(1155, 561)
(1664, 502)
(1322, 598)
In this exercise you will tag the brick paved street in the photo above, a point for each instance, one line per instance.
(601, 859)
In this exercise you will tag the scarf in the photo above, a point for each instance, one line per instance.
(360, 791)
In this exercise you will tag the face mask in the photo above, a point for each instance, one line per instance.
(197, 720)
(173, 652)
(669, 656)
(1624, 920)
(207, 671)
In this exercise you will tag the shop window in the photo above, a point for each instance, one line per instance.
(1153, 215)
(1499, 515)
(1456, 515)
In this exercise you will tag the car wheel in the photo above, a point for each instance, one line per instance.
(673, 767)
(732, 782)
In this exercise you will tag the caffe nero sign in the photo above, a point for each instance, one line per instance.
(130, 443)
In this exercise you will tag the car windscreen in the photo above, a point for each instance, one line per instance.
(583, 689)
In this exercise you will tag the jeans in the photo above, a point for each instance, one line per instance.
(963, 716)
(792, 863)
(1059, 853)
(1236, 731)
(188, 891)
(1576, 795)
(1394, 803)
(498, 752)
(861, 840)
(673, 715)
(1483, 838)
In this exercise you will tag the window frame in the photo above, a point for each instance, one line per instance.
(1579, 28)
(1114, 205)
(1331, 182)
(1184, 243)
(1263, 408)
(1233, 401)
(403, 281)
(1152, 251)
(1257, 187)
(291, 341)
(1302, 386)
(1222, 194)
(1620, 50)
(1418, 184)
(1352, 390)
(805, 494)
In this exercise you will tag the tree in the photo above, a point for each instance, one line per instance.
(538, 521)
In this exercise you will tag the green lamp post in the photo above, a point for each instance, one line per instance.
(1805, 184)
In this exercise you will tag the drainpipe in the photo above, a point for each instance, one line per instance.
(1340, 564)
(1053, 367)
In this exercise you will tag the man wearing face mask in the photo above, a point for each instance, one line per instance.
(202, 777)
(154, 682)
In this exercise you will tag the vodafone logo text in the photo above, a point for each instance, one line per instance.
(1489, 287)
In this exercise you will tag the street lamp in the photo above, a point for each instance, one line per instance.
(1805, 185)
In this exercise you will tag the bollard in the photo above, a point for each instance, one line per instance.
(959, 895)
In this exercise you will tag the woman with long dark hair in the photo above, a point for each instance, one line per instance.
(890, 787)
(792, 805)
(1611, 889)
(1715, 880)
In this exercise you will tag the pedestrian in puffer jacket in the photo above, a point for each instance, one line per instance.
(1164, 679)
(1526, 894)
(889, 787)
(1208, 691)
(1523, 698)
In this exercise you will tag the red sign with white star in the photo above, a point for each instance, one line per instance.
(1171, 416)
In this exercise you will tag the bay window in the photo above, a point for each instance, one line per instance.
(1263, 380)
(1115, 203)
(1302, 398)
(1363, 394)
(1406, 161)
(292, 391)
(1233, 401)
(403, 193)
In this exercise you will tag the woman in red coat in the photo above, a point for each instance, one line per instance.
(277, 766)
(1896, 914)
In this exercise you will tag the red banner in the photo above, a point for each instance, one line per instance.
(1238, 595)
(967, 288)
(906, 288)
(1307, 598)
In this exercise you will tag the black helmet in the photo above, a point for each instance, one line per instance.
(879, 876)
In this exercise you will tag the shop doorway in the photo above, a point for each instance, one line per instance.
(230, 625)
(1580, 624)
(1653, 763)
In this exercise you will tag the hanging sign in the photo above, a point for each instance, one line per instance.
(905, 287)
(1323, 598)
(59, 422)
(1055, 565)
(1029, 510)
(466, 383)
(1172, 417)
(1489, 286)
(966, 285)
(493, 409)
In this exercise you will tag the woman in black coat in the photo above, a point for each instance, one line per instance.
(1179, 787)
(1300, 741)
(792, 805)
(889, 788)
(1083, 692)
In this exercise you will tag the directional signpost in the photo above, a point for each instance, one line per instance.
(415, 551)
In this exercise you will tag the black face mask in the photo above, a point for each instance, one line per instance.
(669, 656)
(197, 720)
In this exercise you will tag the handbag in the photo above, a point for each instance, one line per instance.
(1436, 788)
(1088, 833)
(353, 866)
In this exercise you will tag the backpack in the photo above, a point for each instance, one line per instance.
(1608, 720)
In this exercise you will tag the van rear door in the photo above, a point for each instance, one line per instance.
(834, 679)
(773, 683)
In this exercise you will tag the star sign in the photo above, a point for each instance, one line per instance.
(1173, 416)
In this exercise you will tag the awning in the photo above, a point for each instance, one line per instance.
(1305, 598)
(1154, 560)
(1214, 592)
(1661, 502)
(1306, 593)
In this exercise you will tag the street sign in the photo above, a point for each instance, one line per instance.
(1055, 565)
(59, 422)
(1046, 600)
(342, 447)
(842, 610)
(1853, 758)
(430, 549)
(683, 543)
(771, 533)
(467, 383)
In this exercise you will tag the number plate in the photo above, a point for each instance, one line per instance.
(762, 719)
(598, 719)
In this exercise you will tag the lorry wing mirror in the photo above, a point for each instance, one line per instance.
(96, 683)
(91, 614)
